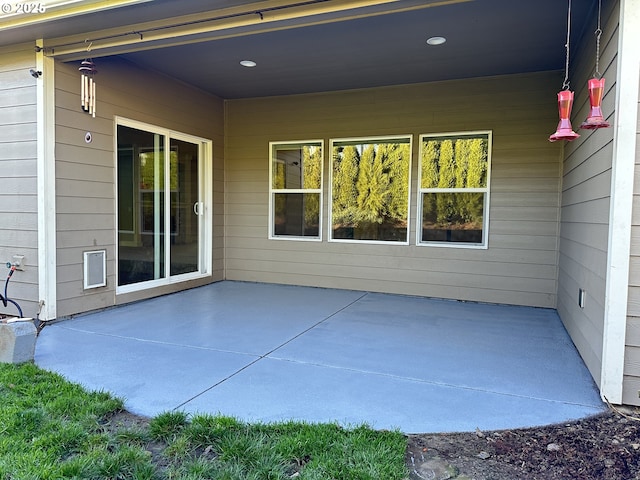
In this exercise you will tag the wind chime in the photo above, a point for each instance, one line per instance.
(88, 86)
(565, 97)
(596, 87)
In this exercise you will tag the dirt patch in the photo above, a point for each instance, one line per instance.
(603, 447)
(124, 421)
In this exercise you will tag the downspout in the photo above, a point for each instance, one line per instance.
(622, 174)
(45, 139)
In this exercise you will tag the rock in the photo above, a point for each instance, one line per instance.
(483, 455)
(635, 446)
(479, 433)
(609, 463)
(436, 469)
(553, 447)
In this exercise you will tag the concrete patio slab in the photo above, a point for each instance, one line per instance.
(276, 390)
(264, 352)
(498, 348)
(152, 377)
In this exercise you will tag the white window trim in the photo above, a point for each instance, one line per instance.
(368, 139)
(486, 190)
(272, 191)
(205, 151)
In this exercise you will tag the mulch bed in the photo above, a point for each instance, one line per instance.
(605, 446)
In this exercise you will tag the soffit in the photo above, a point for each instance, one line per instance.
(374, 47)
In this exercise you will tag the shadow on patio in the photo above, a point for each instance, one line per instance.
(264, 352)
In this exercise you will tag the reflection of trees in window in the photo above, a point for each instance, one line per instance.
(370, 190)
(345, 193)
(312, 179)
(453, 181)
(147, 169)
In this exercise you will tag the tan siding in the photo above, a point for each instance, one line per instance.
(633, 307)
(633, 331)
(635, 238)
(631, 384)
(520, 264)
(585, 200)
(18, 171)
(632, 361)
(85, 173)
(18, 132)
(631, 390)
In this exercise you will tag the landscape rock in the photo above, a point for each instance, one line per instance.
(437, 469)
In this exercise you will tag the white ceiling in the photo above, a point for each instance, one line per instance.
(484, 37)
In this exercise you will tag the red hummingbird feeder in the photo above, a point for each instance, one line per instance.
(564, 130)
(596, 88)
(565, 97)
(595, 118)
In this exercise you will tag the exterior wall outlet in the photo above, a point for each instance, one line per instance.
(18, 262)
(581, 297)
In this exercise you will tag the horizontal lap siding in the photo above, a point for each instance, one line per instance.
(18, 170)
(631, 385)
(520, 265)
(85, 173)
(586, 180)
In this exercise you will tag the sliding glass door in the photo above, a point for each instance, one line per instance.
(163, 230)
(185, 205)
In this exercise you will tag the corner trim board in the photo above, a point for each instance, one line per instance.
(45, 106)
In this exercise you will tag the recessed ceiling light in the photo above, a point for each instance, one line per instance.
(436, 40)
(248, 63)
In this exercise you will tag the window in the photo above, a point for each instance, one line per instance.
(370, 189)
(454, 189)
(296, 190)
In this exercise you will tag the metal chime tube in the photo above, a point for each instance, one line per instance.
(88, 87)
(93, 99)
(90, 96)
(86, 92)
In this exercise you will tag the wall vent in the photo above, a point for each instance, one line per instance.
(95, 269)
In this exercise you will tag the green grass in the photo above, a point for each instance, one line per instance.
(53, 429)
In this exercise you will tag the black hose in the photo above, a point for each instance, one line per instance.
(6, 300)
(6, 284)
(17, 306)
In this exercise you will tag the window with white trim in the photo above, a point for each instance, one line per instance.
(295, 190)
(370, 189)
(453, 200)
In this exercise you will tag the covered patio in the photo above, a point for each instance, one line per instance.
(267, 352)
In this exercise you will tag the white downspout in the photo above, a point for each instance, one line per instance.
(45, 135)
(622, 174)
